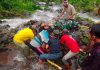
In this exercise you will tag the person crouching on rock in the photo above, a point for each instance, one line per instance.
(23, 36)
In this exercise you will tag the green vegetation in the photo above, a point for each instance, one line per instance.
(11, 8)
(86, 5)
(80, 5)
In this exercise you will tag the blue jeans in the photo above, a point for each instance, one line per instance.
(53, 56)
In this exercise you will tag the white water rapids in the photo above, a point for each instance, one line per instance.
(42, 15)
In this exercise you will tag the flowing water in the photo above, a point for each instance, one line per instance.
(13, 59)
(86, 15)
(40, 15)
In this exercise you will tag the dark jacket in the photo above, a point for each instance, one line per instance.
(92, 62)
(54, 45)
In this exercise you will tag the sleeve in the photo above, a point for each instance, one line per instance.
(31, 36)
(29, 33)
(73, 10)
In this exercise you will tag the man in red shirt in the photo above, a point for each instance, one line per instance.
(68, 41)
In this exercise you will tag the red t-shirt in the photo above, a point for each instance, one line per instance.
(70, 43)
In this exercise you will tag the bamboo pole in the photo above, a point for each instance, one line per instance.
(54, 64)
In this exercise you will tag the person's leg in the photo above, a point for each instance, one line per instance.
(40, 61)
(51, 56)
(43, 57)
(66, 57)
(48, 56)
(74, 64)
(23, 48)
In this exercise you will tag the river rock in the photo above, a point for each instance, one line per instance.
(1, 21)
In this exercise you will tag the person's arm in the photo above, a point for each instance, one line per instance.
(61, 14)
(70, 17)
(43, 45)
(27, 41)
(89, 47)
(47, 48)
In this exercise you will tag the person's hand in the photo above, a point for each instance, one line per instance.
(43, 45)
(82, 51)
(27, 41)
(47, 48)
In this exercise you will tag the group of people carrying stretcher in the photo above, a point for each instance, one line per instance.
(46, 42)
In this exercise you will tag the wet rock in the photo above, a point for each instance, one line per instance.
(13, 30)
(6, 36)
(1, 21)
(41, 3)
(4, 39)
(4, 27)
(84, 23)
(5, 58)
(5, 67)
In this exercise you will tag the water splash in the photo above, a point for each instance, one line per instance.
(86, 15)
(19, 57)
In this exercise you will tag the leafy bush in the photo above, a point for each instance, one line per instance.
(17, 6)
(85, 5)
